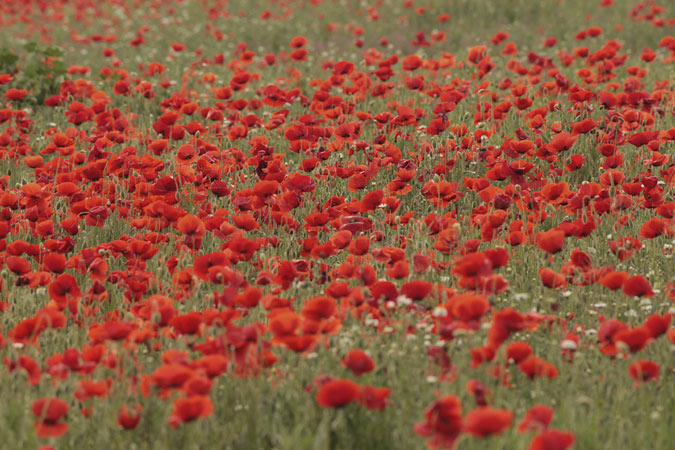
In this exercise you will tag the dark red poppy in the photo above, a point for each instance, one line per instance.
(63, 289)
(55, 262)
(17, 265)
(337, 393)
(637, 286)
(416, 289)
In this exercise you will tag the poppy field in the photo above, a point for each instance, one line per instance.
(337, 224)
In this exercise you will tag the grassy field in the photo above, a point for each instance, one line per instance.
(337, 224)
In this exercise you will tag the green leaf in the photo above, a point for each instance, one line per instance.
(53, 51)
(30, 47)
(8, 59)
(59, 67)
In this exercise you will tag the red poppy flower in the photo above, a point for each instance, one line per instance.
(90, 388)
(473, 265)
(552, 279)
(15, 94)
(416, 289)
(359, 362)
(341, 239)
(375, 397)
(637, 286)
(534, 367)
(658, 324)
(443, 423)
(613, 280)
(206, 265)
(518, 351)
(299, 55)
(126, 419)
(171, 375)
(318, 308)
(583, 126)
(634, 338)
(49, 411)
(284, 323)
(55, 262)
(298, 42)
(411, 62)
(17, 265)
(644, 370)
(467, 307)
(32, 368)
(537, 418)
(337, 393)
(505, 322)
(190, 225)
(552, 440)
(652, 228)
(189, 409)
(188, 323)
(400, 269)
(486, 421)
(63, 289)
(359, 246)
(551, 241)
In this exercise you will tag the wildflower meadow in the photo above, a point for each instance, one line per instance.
(337, 224)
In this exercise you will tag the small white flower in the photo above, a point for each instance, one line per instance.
(568, 344)
(403, 300)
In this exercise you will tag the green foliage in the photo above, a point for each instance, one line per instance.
(38, 69)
